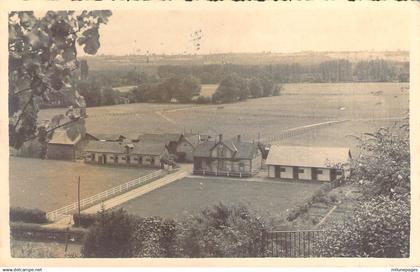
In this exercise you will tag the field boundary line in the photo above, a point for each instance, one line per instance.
(94, 199)
(299, 130)
(127, 196)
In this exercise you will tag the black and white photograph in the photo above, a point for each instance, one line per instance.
(210, 131)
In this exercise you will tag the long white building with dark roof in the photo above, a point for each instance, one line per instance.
(308, 163)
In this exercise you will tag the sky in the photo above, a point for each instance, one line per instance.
(171, 31)
(255, 30)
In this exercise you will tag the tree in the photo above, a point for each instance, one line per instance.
(189, 87)
(228, 90)
(84, 70)
(255, 87)
(383, 167)
(109, 97)
(378, 228)
(267, 86)
(42, 57)
(111, 236)
(380, 225)
(223, 231)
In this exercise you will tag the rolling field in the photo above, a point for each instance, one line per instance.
(299, 104)
(50, 184)
(190, 195)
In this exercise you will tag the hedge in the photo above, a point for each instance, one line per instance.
(28, 215)
(36, 232)
(84, 220)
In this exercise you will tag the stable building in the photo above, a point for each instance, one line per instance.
(64, 145)
(232, 157)
(125, 154)
(308, 163)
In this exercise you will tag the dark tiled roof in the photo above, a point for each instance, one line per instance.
(106, 147)
(120, 148)
(148, 148)
(243, 150)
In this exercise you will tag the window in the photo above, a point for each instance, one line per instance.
(339, 172)
(123, 158)
(220, 152)
(319, 172)
(111, 157)
(93, 156)
(301, 170)
(282, 169)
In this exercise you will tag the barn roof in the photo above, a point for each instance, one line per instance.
(63, 137)
(306, 156)
(120, 148)
(148, 149)
(106, 147)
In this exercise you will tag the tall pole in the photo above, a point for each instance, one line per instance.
(78, 200)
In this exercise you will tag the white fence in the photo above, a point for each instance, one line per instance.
(92, 200)
(297, 131)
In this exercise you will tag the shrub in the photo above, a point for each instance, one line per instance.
(28, 215)
(223, 231)
(111, 236)
(155, 237)
(84, 220)
(378, 228)
(203, 100)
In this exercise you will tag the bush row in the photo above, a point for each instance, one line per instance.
(84, 220)
(30, 231)
(27, 215)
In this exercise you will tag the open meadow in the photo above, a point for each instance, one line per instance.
(370, 105)
(191, 195)
(51, 184)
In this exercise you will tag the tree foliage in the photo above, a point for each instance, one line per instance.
(380, 225)
(233, 88)
(218, 231)
(42, 57)
(111, 236)
(379, 228)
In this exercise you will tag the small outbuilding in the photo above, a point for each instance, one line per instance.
(308, 163)
(64, 146)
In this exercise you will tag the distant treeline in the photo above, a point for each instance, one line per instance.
(329, 71)
(182, 83)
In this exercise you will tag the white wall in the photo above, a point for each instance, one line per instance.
(288, 174)
(271, 172)
(307, 173)
(325, 176)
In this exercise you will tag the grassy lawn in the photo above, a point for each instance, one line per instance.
(208, 89)
(190, 195)
(51, 184)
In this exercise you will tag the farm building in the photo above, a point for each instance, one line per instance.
(308, 163)
(63, 145)
(179, 145)
(125, 154)
(227, 158)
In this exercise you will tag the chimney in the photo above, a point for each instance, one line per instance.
(239, 138)
(220, 137)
